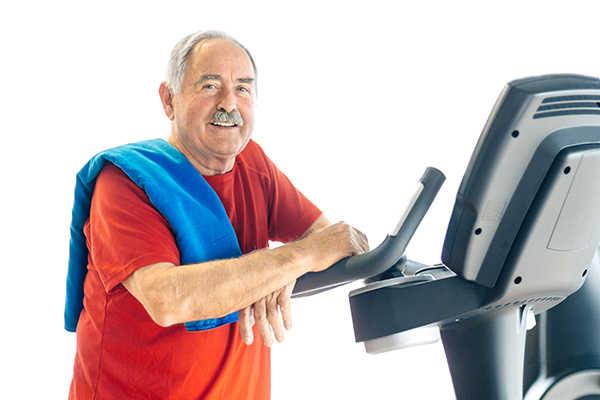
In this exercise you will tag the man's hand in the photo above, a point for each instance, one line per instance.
(265, 313)
(331, 244)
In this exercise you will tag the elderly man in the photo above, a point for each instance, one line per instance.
(170, 274)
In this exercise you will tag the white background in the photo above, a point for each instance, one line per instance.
(355, 100)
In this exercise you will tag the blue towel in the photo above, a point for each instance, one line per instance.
(202, 229)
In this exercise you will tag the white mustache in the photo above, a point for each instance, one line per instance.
(233, 117)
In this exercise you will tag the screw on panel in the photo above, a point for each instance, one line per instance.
(567, 170)
(518, 280)
(515, 134)
(478, 231)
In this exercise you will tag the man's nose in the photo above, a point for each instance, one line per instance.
(227, 101)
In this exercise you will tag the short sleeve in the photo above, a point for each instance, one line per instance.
(125, 231)
(291, 212)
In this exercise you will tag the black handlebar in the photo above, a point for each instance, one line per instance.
(384, 256)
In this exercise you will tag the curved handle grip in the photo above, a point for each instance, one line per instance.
(384, 256)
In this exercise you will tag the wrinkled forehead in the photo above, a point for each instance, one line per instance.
(216, 56)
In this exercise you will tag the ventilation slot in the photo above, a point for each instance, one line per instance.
(569, 105)
(549, 299)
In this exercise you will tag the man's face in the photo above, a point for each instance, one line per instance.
(219, 77)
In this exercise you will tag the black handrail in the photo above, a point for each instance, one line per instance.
(384, 256)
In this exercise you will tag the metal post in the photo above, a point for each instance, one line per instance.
(568, 346)
(485, 354)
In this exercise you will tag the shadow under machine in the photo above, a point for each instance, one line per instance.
(522, 242)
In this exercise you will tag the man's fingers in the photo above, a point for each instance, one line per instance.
(362, 240)
(246, 320)
(262, 323)
(265, 313)
(273, 317)
(285, 305)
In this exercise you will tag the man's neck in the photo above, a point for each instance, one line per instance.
(201, 163)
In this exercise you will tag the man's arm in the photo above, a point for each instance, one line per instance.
(175, 294)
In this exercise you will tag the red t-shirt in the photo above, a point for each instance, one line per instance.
(121, 352)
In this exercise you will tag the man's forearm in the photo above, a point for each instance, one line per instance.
(174, 294)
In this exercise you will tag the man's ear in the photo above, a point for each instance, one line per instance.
(166, 97)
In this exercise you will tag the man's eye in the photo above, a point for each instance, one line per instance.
(245, 91)
(209, 86)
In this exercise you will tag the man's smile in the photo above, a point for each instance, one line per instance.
(223, 124)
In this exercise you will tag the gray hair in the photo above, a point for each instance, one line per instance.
(178, 62)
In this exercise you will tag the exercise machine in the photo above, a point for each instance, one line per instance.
(521, 246)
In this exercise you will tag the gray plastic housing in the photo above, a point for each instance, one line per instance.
(533, 120)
